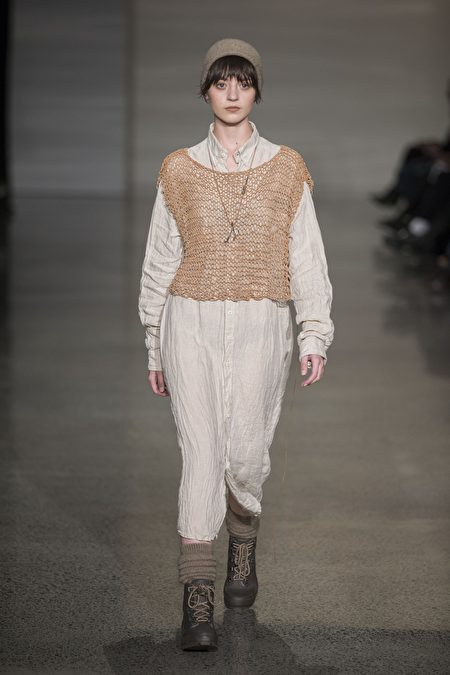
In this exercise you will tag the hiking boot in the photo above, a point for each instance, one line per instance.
(197, 629)
(241, 584)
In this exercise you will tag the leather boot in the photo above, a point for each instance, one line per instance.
(241, 585)
(197, 629)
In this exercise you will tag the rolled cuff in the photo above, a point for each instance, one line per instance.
(154, 360)
(152, 342)
(312, 345)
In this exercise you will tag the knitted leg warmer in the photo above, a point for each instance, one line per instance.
(242, 527)
(196, 561)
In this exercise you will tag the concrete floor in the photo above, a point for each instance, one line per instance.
(354, 543)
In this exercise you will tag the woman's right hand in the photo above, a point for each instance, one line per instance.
(156, 379)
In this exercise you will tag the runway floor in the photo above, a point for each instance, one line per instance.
(353, 552)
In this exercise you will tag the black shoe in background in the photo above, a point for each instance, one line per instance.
(398, 222)
(388, 198)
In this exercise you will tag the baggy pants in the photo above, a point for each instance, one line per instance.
(226, 365)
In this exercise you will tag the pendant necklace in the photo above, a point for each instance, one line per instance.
(232, 223)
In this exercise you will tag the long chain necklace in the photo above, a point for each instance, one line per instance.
(232, 223)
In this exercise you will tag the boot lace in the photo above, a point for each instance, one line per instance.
(199, 598)
(241, 553)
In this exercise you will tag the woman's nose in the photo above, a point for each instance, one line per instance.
(233, 90)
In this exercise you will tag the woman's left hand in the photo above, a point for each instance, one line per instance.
(316, 371)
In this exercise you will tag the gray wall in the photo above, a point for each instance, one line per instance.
(347, 83)
(68, 112)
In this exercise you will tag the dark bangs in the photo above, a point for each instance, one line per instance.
(232, 66)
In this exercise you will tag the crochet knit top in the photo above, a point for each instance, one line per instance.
(253, 265)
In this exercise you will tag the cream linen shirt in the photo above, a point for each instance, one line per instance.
(311, 288)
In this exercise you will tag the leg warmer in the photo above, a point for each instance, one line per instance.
(243, 527)
(196, 561)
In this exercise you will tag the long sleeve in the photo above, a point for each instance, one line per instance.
(163, 255)
(311, 288)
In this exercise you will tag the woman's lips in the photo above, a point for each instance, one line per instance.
(233, 108)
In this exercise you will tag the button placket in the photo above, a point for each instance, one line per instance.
(228, 371)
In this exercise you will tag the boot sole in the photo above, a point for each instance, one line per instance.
(199, 646)
(231, 601)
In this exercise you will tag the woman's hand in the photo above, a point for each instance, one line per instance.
(156, 379)
(317, 368)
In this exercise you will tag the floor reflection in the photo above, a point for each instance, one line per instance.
(414, 308)
(245, 646)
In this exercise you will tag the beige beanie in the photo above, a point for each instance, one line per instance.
(236, 47)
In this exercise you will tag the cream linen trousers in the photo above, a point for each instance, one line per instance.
(226, 362)
(226, 365)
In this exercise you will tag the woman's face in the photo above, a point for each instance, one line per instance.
(227, 94)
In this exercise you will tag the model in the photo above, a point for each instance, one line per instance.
(233, 238)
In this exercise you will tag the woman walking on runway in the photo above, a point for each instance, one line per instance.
(233, 237)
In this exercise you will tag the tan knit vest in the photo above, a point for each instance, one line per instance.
(255, 264)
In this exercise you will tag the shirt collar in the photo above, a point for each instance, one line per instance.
(243, 153)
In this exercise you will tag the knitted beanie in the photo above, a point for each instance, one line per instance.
(236, 47)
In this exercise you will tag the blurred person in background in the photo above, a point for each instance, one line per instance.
(422, 189)
(417, 167)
